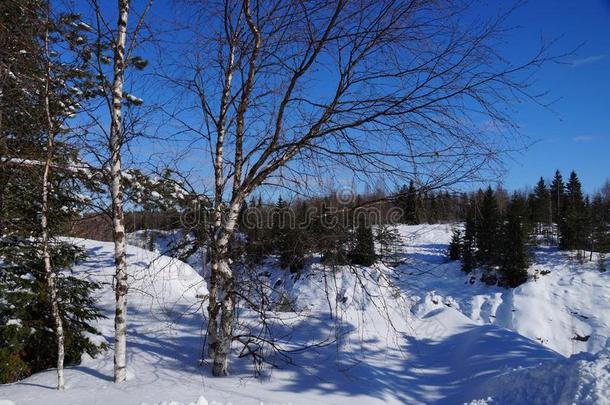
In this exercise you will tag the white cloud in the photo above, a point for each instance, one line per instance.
(583, 138)
(587, 61)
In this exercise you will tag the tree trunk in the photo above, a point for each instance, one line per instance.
(213, 308)
(44, 224)
(116, 192)
(220, 331)
(225, 335)
(50, 274)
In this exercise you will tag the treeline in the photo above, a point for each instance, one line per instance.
(341, 232)
(498, 234)
(500, 241)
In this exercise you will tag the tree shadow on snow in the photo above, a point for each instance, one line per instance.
(425, 371)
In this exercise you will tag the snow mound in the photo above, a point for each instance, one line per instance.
(580, 379)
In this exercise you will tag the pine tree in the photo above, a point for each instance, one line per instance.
(515, 243)
(455, 246)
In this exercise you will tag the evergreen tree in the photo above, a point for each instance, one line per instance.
(557, 197)
(469, 240)
(50, 309)
(293, 247)
(541, 207)
(600, 239)
(387, 237)
(515, 243)
(407, 202)
(573, 220)
(455, 246)
(332, 236)
(363, 250)
(487, 230)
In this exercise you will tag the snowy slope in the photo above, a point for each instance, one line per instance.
(559, 309)
(448, 342)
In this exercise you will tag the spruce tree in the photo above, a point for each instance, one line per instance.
(293, 247)
(573, 220)
(487, 230)
(455, 246)
(363, 250)
(40, 192)
(541, 207)
(557, 191)
(515, 257)
(407, 202)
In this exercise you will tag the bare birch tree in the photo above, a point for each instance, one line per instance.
(46, 254)
(121, 42)
(284, 90)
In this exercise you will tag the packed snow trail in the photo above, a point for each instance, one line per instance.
(445, 348)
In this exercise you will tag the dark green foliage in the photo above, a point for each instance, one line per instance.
(573, 219)
(387, 237)
(363, 250)
(288, 240)
(28, 342)
(487, 230)
(540, 206)
(557, 196)
(332, 236)
(469, 241)
(516, 230)
(407, 202)
(27, 339)
(455, 246)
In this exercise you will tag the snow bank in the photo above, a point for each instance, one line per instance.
(450, 339)
(581, 379)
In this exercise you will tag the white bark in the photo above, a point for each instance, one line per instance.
(46, 254)
(116, 192)
(224, 281)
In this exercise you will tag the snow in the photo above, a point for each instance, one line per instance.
(581, 379)
(200, 401)
(14, 322)
(448, 338)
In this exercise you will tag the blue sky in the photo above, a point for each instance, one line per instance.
(576, 133)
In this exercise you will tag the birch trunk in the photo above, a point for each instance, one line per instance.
(220, 366)
(116, 192)
(50, 274)
(44, 224)
(223, 283)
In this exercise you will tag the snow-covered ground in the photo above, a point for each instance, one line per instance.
(448, 339)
